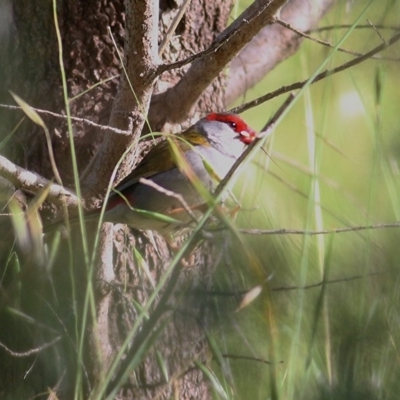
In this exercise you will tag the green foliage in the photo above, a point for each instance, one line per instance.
(331, 163)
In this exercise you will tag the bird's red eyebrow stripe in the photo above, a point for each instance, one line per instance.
(240, 124)
(222, 117)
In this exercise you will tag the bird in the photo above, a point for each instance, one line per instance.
(162, 193)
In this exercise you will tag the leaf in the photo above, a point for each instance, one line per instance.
(158, 216)
(163, 366)
(249, 297)
(216, 353)
(215, 383)
(140, 309)
(144, 266)
(183, 164)
(29, 111)
(35, 117)
(19, 224)
(209, 168)
(149, 214)
(38, 200)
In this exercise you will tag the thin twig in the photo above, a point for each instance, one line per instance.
(284, 231)
(377, 31)
(33, 183)
(36, 118)
(318, 284)
(172, 28)
(238, 357)
(328, 44)
(322, 75)
(330, 182)
(271, 123)
(31, 351)
(347, 26)
(76, 119)
(265, 132)
(169, 193)
(221, 40)
(221, 293)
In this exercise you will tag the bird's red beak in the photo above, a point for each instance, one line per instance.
(247, 136)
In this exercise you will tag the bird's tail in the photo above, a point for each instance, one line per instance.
(64, 223)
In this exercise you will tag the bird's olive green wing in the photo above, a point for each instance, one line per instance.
(159, 158)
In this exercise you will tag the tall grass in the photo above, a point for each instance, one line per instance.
(332, 163)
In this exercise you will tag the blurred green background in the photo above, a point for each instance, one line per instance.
(332, 162)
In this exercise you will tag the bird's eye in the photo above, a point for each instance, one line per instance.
(233, 125)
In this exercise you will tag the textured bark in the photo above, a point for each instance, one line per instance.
(183, 340)
(34, 74)
(175, 103)
(89, 56)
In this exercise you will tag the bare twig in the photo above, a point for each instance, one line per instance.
(174, 104)
(347, 26)
(276, 156)
(31, 351)
(173, 26)
(284, 231)
(377, 31)
(220, 293)
(36, 118)
(248, 358)
(265, 132)
(237, 29)
(327, 282)
(328, 44)
(169, 193)
(76, 119)
(33, 183)
(322, 75)
(271, 123)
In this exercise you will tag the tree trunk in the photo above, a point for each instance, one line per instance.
(90, 57)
